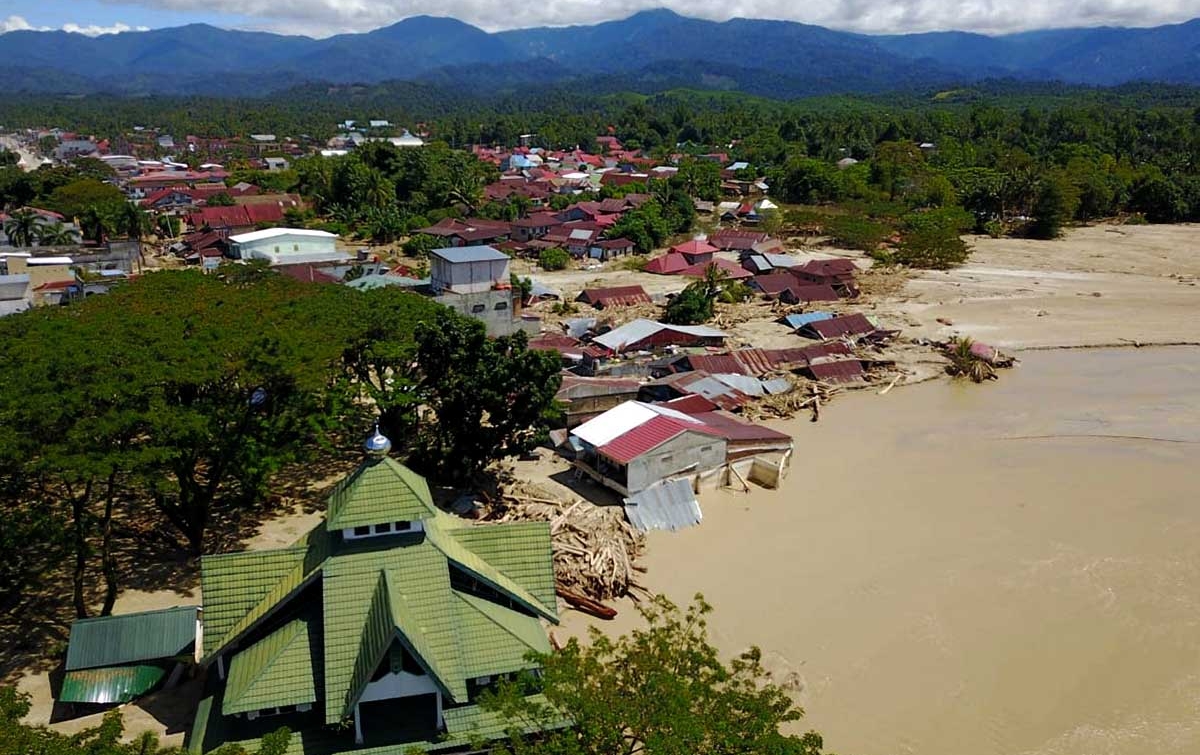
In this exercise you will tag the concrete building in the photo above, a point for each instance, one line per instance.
(468, 270)
(286, 246)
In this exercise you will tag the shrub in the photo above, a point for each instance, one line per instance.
(553, 259)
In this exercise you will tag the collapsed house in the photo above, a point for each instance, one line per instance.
(646, 335)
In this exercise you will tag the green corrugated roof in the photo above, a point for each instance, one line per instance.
(119, 684)
(275, 671)
(521, 550)
(380, 490)
(494, 639)
(146, 636)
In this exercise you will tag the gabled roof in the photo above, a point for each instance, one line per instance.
(668, 264)
(732, 270)
(647, 436)
(275, 671)
(835, 327)
(380, 490)
(118, 640)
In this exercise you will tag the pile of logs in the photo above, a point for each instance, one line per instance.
(595, 549)
(806, 395)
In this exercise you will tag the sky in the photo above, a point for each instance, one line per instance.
(320, 18)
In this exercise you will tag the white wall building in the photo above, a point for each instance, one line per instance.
(287, 246)
(468, 269)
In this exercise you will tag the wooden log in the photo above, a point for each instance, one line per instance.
(586, 604)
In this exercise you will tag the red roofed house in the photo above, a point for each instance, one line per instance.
(535, 226)
(837, 273)
(836, 327)
(668, 264)
(736, 240)
(616, 296)
(696, 250)
(470, 232)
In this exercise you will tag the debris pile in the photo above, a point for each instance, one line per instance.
(804, 395)
(974, 360)
(595, 548)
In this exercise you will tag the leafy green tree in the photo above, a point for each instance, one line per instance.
(220, 199)
(662, 690)
(895, 167)
(806, 180)
(932, 239)
(1160, 200)
(699, 178)
(645, 226)
(553, 259)
(1056, 202)
(76, 198)
(488, 398)
(421, 244)
(17, 188)
(134, 222)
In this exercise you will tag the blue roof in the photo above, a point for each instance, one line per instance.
(455, 254)
(799, 321)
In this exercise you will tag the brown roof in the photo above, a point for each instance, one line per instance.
(618, 295)
(836, 327)
(836, 371)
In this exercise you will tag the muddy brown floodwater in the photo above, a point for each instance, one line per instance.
(952, 568)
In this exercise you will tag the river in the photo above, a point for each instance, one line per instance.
(955, 568)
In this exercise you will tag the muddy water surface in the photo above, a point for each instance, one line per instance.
(951, 569)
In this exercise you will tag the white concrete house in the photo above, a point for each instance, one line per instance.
(468, 269)
(286, 246)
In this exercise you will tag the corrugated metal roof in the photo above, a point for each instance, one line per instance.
(837, 371)
(751, 386)
(669, 506)
(614, 295)
(647, 436)
(457, 254)
(855, 324)
(809, 293)
(146, 636)
(714, 363)
(579, 327)
(632, 333)
(800, 320)
(729, 427)
(105, 686)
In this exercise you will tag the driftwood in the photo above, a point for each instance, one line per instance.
(787, 405)
(594, 547)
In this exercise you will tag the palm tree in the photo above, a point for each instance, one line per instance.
(55, 234)
(134, 221)
(96, 224)
(21, 227)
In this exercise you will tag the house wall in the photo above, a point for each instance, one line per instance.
(467, 277)
(688, 453)
(483, 307)
(289, 250)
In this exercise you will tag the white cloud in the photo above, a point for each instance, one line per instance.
(325, 17)
(18, 23)
(95, 31)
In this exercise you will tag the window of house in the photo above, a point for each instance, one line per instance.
(668, 459)
(403, 526)
(501, 305)
(295, 247)
(277, 248)
(363, 531)
(383, 529)
(478, 308)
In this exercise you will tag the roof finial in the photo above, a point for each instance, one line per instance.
(377, 444)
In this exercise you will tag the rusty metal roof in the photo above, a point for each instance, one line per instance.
(836, 327)
(837, 371)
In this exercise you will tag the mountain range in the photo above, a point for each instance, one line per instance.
(649, 49)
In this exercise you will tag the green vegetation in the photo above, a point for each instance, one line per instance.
(695, 304)
(553, 259)
(177, 398)
(660, 689)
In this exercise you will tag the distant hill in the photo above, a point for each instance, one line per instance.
(648, 51)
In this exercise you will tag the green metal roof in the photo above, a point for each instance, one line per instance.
(275, 671)
(118, 684)
(146, 636)
(470, 722)
(380, 490)
(521, 550)
(448, 542)
(241, 589)
(493, 639)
